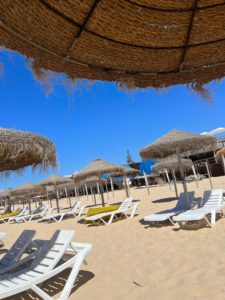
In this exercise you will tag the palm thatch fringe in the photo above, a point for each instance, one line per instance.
(19, 149)
(135, 43)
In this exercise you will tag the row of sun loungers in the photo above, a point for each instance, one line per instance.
(211, 204)
(41, 263)
(45, 213)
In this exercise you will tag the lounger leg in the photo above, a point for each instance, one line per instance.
(61, 218)
(40, 292)
(81, 211)
(133, 211)
(207, 221)
(213, 217)
(110, 219)
(71, 279)
(170, 219)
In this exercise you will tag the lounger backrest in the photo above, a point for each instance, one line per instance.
(53, 252)
(212, 198)
(18, 248)
(46, 257)
(38, 209)
(181, 202)
(76, 206)
(22, 212)
(125, 204)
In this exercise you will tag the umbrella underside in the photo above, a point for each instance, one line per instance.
(138, 43)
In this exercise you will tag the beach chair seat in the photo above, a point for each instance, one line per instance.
(212, 203)
(50, 262)
(37, 214)
(76, 210)
(168, 214)
(127, 209)
(8, 218)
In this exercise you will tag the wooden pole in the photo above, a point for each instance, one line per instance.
(86, 189)
(112, 187)
(56, 197)
(167, 177)
(107, 191)
(182, 176)
(174, 182)
(194, 172)
(146, 182)
(207, 168)
(125, 187)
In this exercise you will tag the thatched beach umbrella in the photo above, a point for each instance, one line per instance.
(138, 43)
(127, 171)
(27, 191)
(98, 167)
(172, 164)
(177, 142)
(65, 186)
(54, 180)
(19, 149)
(5, 196)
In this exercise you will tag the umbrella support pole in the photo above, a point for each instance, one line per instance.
(146, 183)
(56, 198)
(194, 172)
(112, 188)
(107, 191)
(102, 195)
(168, 178)
(207, 168)
(125, 186)
(182, 177)
(175, 183)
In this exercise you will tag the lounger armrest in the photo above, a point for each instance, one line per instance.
(81, 247)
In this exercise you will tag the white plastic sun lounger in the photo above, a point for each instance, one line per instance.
(8, 219)
(48, 264)
(76, 210)
(168, 214)
(38, 213)
(2, 235)
(125, 207)
(12, 257)
(211, 204)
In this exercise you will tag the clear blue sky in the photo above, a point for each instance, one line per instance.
(98, 120)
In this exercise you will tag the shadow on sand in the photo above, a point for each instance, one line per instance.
(164, 200)
(55, 285)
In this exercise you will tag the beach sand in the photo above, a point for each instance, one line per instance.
(131, 260)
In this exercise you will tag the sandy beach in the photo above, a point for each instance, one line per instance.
(131, 260)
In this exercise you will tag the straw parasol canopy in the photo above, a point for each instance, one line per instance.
(220, 154)
(97, 168)
(171, 164)
(54, 180)
(4, 195)
(138, 43)
(127, 171)
(177, 142)
(19, 149)
(177, 139)
(27, 190)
